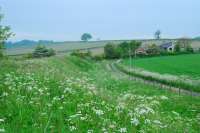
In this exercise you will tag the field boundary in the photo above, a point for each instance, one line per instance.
(146, 80)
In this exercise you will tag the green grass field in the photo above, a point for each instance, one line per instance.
(186, 65)
(68, 94)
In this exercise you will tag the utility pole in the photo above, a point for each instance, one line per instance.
(130, 61)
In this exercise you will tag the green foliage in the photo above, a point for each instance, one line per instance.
(42, 51)
(153, 49)
(111, 51)
(99, 57)
(122, 50)
(86, 37)
(5, 33)
(177, 48)
(70, 94)
(189, 49)
(180, 65)
(157, 34)
(82, 54)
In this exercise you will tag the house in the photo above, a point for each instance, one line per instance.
(169, 47)
(141, 51)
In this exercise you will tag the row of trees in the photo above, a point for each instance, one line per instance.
(122, 50)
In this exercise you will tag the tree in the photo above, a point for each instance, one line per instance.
(153, 49)
(111, 51)
(5, 33)
(177, 48)
(86, 37)
(157, 34)
(128, 48)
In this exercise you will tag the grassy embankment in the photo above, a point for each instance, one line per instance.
(62, 94)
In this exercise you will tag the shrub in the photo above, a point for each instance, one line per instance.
(99, 57)
(122, 50)
(153, 49)
(28, 56)
(189, 49)
(177, 48)
(81, 54)
(111, 51)
(42, 51)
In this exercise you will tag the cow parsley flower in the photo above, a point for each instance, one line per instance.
(164, 98)
(135, 121)
(72, 128)
(123, 130)
(2, 130)
(1, 120)
(98, 112)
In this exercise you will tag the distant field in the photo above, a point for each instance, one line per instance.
(63, 47)
(94, 46)
(187, 65)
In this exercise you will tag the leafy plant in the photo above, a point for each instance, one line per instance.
(5, 33)
(42, 51)
(86, 37)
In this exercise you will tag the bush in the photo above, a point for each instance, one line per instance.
(111, 51)
(81, 54)
(189, 49)
(153, 49)
(42, 51)
(122, 50)
(28, 56)
(177, 48)
(99, 57)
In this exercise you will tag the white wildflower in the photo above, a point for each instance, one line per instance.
(135, 121)
(1, 120)
(90, 131)
(67, 90)
(147, 121)
(4, 94)
(72, 128)
(164, 98)
(61, 107)
(157, 122)
(98, 112)
(122, 130)
(2, 130)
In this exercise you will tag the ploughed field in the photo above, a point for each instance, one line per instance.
(68, 94)
(180, 65)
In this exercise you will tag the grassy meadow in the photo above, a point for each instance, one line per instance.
(181, 65)
(68, 94)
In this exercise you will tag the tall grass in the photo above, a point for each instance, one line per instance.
(68, 94)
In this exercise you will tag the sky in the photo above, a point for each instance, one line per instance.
(67, 20)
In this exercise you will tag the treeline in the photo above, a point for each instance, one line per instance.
(122, 50)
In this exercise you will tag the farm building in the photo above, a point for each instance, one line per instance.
(169, 47)
(141, 51)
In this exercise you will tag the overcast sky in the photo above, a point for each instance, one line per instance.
(105, 19)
